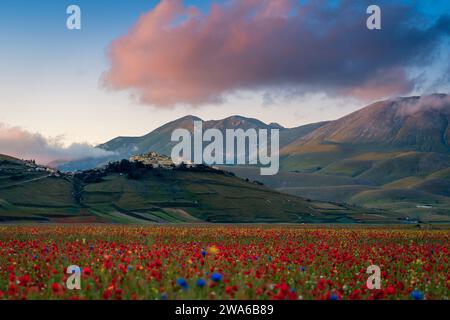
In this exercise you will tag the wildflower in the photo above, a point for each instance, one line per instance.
(107, 293)
(334, 297)
(213, 250)
(417, 295)
(201, 283)
(216, 277)
(11, 289)
(56, 288)
(24, 280)
(164, 296)
(182, 283)
(87, 271)
(390, 290)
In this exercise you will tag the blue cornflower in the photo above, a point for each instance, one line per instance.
(334, 297)
(216, 277)
(417, 295)
(201, 283)
(182, 283)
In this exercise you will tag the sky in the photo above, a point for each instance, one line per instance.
(137, 64)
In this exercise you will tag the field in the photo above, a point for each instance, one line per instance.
(223, 262)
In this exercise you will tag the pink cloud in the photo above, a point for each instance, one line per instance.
(178, 55)
(386, 83)
(22, 144)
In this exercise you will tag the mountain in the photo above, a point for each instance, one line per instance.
(400, 142)
(380, 132)
(391, 155)
(402, 124)
(131, 193)
(159, 140)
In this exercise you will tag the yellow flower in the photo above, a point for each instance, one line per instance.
(213, 250)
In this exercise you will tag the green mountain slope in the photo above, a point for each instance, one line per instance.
(395, 155)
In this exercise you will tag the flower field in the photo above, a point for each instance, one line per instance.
(223, 262)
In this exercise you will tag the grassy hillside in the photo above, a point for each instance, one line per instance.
(410, 185)
(145, 195)
(205, 196)
(395, 153)
(28, 192)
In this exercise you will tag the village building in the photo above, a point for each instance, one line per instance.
(154, 159)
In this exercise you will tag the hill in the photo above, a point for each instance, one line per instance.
(397, 146)
(389, 152)
(134, 193)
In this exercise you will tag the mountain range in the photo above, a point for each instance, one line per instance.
(392, 155)
(159, 140)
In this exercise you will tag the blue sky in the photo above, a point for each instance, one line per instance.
(49, 79)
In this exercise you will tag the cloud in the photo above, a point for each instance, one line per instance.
(17, 142)
(179, 55)
(434, 102)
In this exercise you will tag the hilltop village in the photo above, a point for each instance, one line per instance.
(154, 160)
(137, 166)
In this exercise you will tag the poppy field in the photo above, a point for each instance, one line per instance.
(223, 262)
